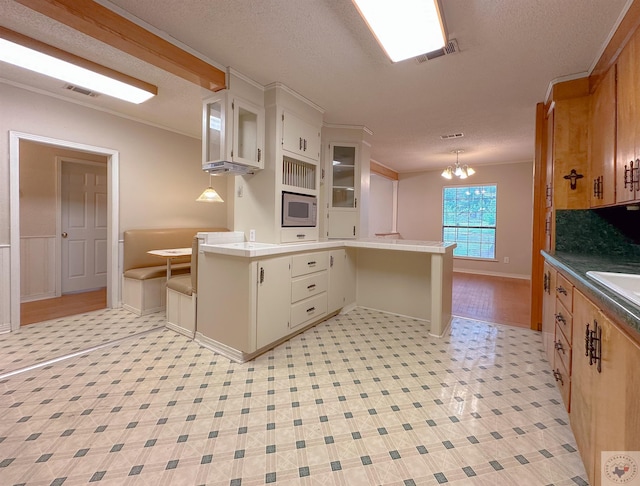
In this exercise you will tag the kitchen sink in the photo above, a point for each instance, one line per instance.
(626, 285)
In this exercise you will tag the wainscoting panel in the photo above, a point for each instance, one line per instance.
(5, 288)
(37, 268)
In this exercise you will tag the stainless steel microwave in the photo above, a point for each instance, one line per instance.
(299, 210)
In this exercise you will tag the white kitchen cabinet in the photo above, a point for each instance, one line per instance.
(342, 224)
(343, 190)
(342, 280)
(273, 309)
(233, 130)
(308, 287)
(300, 137)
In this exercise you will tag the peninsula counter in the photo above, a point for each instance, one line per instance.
(252, 296)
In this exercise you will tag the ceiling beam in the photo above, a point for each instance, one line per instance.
(105, 25)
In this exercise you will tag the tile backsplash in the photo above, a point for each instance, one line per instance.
(611, 231)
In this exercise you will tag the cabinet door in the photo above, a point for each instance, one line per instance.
(616, 408)
(248, 133)
(570, 150)
(603, 141)
(214, 132)
(337, 280)
(274, 300)
(300, 137)
(582, 382)
(343, 173)
(342, 224)
(548, 311)
(627, 112)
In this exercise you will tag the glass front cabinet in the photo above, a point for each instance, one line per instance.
(343, 190)
(233, 130)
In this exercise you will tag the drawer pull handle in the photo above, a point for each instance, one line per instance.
(561, 290)
(593, 345)
(311, 263)
(311, 287)
(558, 376)
(558, 346)
(300, 235)
(311, 309)
(560, 318)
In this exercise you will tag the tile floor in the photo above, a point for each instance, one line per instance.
(363, 398)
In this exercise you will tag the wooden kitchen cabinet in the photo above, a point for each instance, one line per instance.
(570, 153)
(605, 387)
(602, 141)
(273, 300)
(549, 311)
(299, 137)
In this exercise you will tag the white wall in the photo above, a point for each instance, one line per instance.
(160, 171)
(420, 214)
(381, 205)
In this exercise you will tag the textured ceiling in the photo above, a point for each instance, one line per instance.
(509, 52)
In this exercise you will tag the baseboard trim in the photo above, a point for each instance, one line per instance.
(180, 330)
(492, 274)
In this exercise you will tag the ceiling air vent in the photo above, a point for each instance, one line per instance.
(83, 91)
(452, 135)
(450, 48)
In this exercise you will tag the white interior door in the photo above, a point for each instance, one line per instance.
(84, 227)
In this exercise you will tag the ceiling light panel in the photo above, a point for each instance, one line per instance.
(404, 28)
(27, 53)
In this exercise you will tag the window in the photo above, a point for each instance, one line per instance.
(469, 219)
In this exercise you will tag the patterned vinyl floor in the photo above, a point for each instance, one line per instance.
(364, 398)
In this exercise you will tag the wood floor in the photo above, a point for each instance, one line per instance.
(485, 298)
(493, 299)
(67, 305)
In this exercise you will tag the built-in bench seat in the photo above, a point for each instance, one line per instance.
(144, 275)
(181, 298)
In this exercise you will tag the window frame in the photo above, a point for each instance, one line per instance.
(495, 227)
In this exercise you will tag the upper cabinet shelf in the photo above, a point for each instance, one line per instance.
(233, 130)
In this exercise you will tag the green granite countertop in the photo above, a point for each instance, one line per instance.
(575, 267)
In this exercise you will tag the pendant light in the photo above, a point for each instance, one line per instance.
(209, 194)
(462, 172)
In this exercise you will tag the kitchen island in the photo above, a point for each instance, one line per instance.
(252, 296)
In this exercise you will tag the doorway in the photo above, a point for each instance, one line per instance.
(109, 216)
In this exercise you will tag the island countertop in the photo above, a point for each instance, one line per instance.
(257, 249)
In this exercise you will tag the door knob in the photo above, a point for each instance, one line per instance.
(65, 234)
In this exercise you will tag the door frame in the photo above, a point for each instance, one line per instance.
(59, 161)
(113, 191)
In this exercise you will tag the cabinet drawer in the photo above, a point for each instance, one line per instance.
(562, 349)
(308, 310)
(563, 380)
(291, 235)
(564, 320)
(308, 286)
(308, 263)
(564, 292)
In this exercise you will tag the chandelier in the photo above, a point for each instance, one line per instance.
(460, 171)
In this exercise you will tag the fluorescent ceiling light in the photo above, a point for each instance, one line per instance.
(404, 28)
(50, 61)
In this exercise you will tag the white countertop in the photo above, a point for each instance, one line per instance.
(256, 249)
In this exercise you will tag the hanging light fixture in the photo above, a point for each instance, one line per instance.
(460, 171)
(209, 194)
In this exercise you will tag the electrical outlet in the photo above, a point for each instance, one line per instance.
(252, 235)
(240, 190)
(506, 259)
